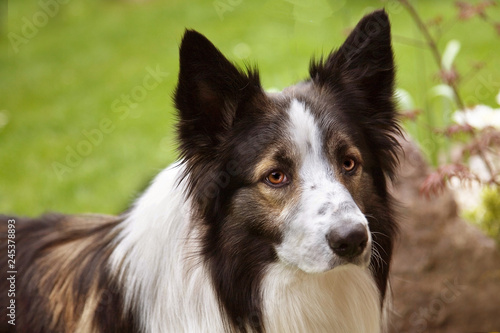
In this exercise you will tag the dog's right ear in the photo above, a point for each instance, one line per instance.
(208, 94)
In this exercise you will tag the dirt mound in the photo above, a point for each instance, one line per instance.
(446, 273)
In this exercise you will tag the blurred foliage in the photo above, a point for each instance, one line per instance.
(470, 127)
(74, 63)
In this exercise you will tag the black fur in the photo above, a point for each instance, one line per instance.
(227, 121)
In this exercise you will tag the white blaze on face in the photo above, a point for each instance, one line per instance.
(325, 204)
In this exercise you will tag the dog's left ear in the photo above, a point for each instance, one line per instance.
(364, 62)
(360, 76)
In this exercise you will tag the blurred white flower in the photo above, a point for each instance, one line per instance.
(450, 52)
(498, 98)
(479, 116)
(443, 90)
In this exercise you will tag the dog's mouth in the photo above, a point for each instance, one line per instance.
(361, 260)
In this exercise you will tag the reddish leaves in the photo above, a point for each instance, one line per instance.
(486, 140)
(456, 129)
(468, 10)
(484, 143)
(410, 114)
(435, 183)
(449, 77)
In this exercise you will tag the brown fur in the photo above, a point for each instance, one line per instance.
(62, 281)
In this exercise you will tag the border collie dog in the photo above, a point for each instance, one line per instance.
(277, 217)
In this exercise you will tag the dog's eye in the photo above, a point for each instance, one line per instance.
(277, 178)
(349, 164)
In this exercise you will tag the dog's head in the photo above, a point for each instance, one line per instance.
(298, 176)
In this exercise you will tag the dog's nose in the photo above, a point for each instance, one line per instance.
(348, 242)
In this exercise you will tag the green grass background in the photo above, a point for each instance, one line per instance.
(65, 78)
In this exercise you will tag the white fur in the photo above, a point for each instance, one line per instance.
(342, 300)
(158, 262)
(168, 287)
(304, 244)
